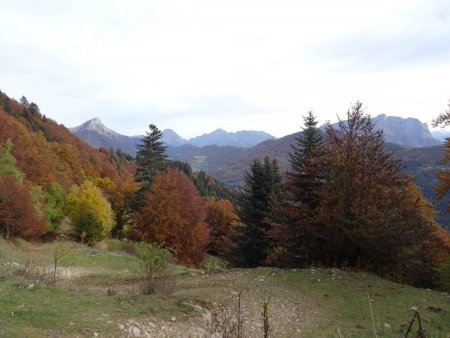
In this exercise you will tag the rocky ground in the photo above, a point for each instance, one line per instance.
(214, 300)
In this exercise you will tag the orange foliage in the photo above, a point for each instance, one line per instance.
(220, 217)
(47, 152)
(173, 215)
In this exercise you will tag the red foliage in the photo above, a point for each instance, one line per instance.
(17, 214)
(173, 215)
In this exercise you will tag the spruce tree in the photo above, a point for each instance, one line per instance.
(307, 143)
(150, 160)
(262, 186)
(294, 227)
(302, 180)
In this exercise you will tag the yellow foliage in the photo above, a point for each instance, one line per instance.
(87, 198)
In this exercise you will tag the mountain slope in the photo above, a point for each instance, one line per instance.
(229, 164)
(47, 152)
(97, 135)
(410, 132)
(220, 137)
(440, 135)
(171, 138)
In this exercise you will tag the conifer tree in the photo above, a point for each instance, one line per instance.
(307, 143)
(261, 188)
(302, 181)
(295, 230)
(150, 160)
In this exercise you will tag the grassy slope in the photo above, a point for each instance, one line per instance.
(82, 306)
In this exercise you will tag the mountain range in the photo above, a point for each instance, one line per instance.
(408, 132)
(97, 135)
(409, 139)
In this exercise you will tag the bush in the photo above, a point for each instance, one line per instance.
(153, 268)
(443, 270)
(88, 228)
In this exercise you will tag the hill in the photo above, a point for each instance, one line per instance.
(97, 294)
(48, 152)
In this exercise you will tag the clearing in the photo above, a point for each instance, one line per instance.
(97, 294)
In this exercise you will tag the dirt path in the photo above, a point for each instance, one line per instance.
(214, 299)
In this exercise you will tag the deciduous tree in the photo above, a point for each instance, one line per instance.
(8, 162)
(17, 214)
(172, 214)
(220, 218)
(89, 210)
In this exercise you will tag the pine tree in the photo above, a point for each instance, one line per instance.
(150, 160)
(261, 188)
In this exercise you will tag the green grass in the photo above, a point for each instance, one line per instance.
(344, 296)
(41, 310)
(83, 307)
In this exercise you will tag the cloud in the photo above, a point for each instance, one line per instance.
(198, 65)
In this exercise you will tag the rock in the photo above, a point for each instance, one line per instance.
(173, 319)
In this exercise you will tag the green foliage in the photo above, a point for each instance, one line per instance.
(153, 268)
(213, 264)
(443, 270)
(90, 212)
(308, 143)
(55, 200)
(262, 187)
(150, 160)
(88, 227)
(8, 162)
(206, 185)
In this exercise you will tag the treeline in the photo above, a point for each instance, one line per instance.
(344, 203)
(53, 183)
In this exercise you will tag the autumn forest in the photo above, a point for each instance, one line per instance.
(344, 203)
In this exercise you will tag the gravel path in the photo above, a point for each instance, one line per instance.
(214, 299)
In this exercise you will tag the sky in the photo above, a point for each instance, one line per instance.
(198, 65)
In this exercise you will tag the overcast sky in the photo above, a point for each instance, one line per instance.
(195, 66)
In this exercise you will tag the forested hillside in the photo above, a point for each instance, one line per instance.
(341, 200)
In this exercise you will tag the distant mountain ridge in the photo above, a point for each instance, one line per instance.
(440, 135)
(97, 135)
(409, 132)
(240, 139)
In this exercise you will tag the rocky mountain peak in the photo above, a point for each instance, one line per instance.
(94, 125)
